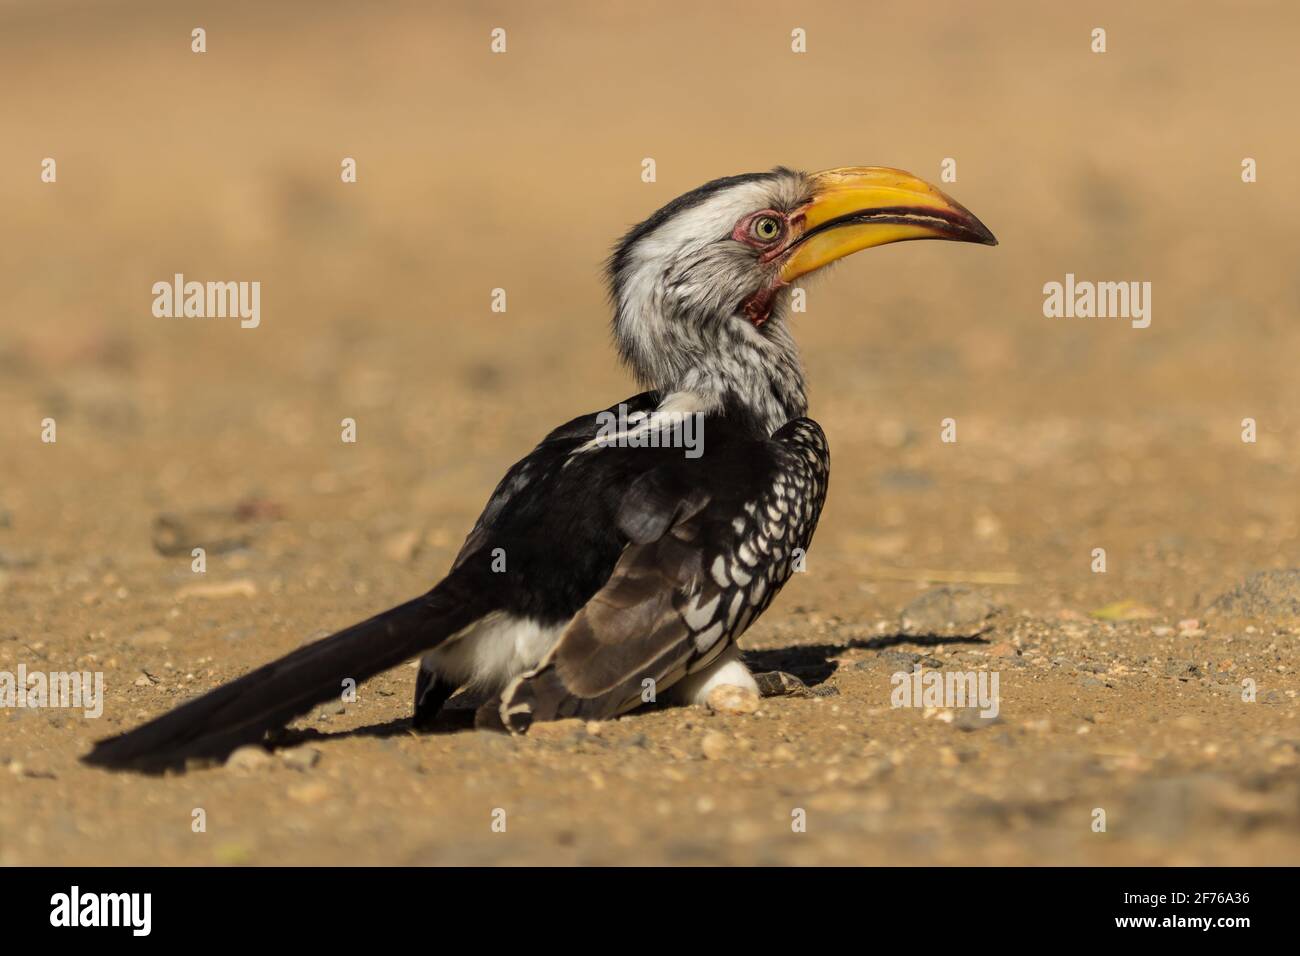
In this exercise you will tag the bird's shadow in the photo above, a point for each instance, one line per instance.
(811, 663)
(815, 663)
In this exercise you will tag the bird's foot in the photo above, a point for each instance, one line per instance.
(727, 669)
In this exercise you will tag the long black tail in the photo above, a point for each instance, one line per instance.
(242, 711)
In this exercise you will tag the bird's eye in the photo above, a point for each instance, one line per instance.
(766, 228)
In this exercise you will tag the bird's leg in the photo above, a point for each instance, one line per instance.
(432, 690)
(727, 669)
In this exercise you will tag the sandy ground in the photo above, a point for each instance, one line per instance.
(1119, 691)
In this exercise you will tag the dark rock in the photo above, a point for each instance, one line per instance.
(300, 758)
(1183, 670)
(904, 480)
(214, 531)
(1267, 594)
(970, 718)
(949, 611)
(900, 661)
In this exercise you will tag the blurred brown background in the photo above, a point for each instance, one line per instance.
(479, 171)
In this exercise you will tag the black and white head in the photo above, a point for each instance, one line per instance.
(701, 289)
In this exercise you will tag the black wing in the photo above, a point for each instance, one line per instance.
(551, 453)
(710, 543)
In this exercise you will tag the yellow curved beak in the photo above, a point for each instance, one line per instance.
(857, 207)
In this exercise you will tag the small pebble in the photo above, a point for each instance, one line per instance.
(558, 729)
(715, 745)
(783, 753)
(249, 757)
(309, 793)
(240, 587)
(300, 758)
(402, 546)
(153, 637)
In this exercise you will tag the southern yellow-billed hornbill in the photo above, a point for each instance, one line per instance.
(628, 563)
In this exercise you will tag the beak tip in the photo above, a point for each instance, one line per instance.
(981, 233)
